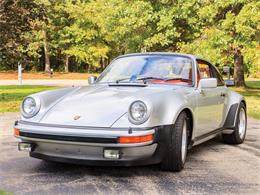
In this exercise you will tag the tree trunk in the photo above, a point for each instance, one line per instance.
(46, 53)
(239, 78)
(107, 61)
(66, 65)
(102, 63)
(88, 68)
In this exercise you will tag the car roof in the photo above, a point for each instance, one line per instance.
(158, 53)
(165, 53)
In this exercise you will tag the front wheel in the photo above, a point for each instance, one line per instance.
(239, 134)
(176, 152)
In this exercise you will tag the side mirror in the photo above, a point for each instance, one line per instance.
(92, 80)
(207, 83)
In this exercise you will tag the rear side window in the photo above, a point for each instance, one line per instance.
(206, 70)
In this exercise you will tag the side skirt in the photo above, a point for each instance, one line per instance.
(206, 137)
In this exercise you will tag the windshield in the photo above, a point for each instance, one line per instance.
(163, 69)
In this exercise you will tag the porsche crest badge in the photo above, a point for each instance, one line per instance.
(76, 117)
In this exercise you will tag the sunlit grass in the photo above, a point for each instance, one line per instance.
(253, 84)
(4, 193)
(252, 96)
(11, 96)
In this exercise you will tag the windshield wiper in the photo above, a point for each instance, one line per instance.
(149, 78)
(138, 79)
(162, 79)
(119, 80)
(182, 79)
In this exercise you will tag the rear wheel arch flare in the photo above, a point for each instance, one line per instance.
(243, 102)
(232, 114)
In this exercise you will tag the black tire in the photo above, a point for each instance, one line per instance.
(173, 157)
(235, 138)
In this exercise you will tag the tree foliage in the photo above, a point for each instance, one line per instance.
(230, 35)
(87, 34)
(15, 20)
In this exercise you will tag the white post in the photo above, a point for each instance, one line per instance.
(51, 73)
(20, 73)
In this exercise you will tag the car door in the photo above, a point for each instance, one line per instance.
(210, 102)
(223, 93)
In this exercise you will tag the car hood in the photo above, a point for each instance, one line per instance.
(98, 105)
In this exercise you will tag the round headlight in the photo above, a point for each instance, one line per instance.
(138, 112)
(30, 107)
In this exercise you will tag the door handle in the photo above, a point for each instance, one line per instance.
(223, 95)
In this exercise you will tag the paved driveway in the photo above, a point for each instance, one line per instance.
(212, 167)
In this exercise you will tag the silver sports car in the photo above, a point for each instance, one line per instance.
(146, 108)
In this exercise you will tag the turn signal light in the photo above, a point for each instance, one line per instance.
(135, 139)
(16, 132)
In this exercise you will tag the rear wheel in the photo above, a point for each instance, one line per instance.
(176, 152)
(239, 134)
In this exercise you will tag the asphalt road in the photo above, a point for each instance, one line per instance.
(212, 167)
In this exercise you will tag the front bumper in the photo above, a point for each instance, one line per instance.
(85, 145)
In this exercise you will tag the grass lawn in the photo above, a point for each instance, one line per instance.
(11, 96)
(4, 193)
(252, 96)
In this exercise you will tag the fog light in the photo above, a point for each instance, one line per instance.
(112, 154)
(22, 146)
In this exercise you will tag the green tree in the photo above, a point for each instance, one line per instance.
(67, 34)
(173, 22)
(37, 39)
(123, 25)
(81, 38)
(231, 30)
(15, 19)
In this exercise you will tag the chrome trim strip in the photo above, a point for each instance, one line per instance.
(79, 127)
(86, 132)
